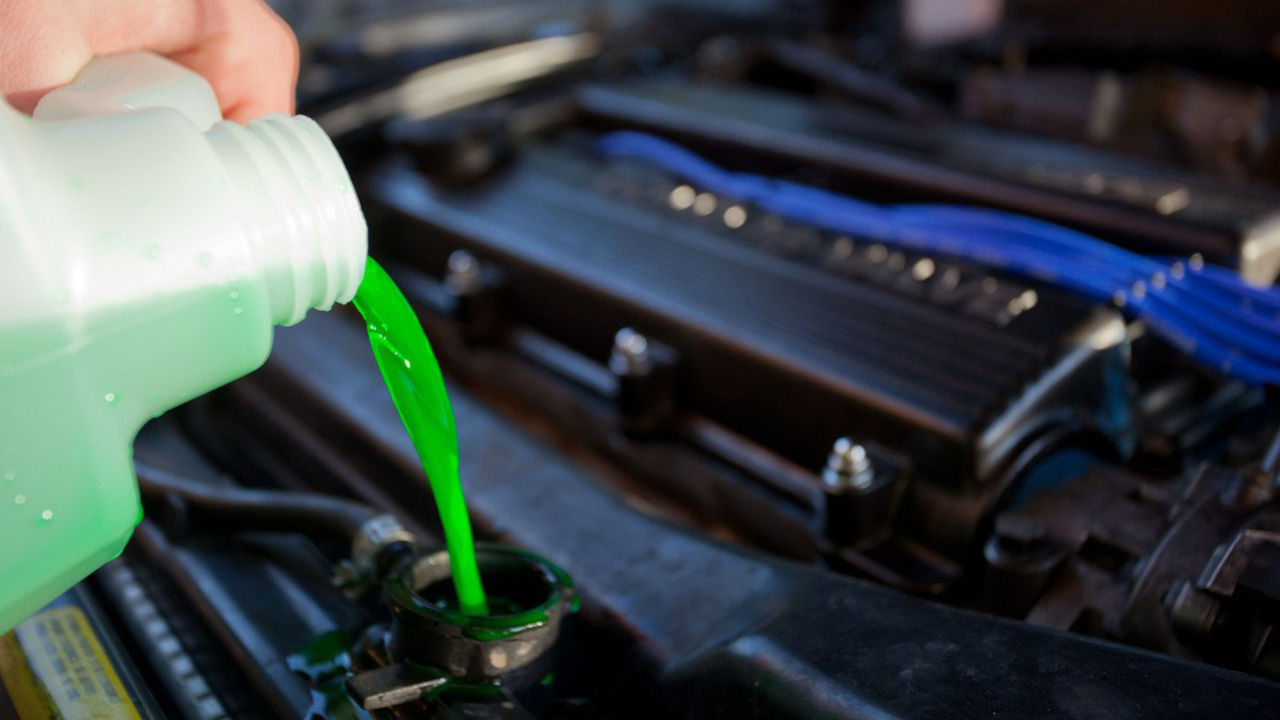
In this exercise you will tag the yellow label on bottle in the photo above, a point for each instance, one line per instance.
(53, 666)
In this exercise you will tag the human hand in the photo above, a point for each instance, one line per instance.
(246, 52)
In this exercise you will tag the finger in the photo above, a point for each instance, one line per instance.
(251, 61)
(246, 52)
(39, 50)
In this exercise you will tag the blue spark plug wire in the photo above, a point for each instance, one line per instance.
(1206, 311)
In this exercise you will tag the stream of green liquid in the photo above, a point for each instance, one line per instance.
(413, 378)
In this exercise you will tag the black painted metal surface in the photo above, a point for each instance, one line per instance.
(869, 155)
(907, 367)
(703, 630)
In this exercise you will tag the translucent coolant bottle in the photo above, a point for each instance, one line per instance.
(147, 248)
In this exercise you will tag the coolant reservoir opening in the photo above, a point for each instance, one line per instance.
(521, 587)
(512, 586)
(528, 598)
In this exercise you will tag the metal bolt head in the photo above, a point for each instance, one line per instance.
(352, 579)
(848, 466)
(463, 272)
(1019, 535)
(1192, 610)
(630, 353)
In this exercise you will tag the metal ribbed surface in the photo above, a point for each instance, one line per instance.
(895, 351)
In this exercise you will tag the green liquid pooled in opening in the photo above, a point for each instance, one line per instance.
(413, 378)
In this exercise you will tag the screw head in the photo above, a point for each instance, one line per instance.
(630, 353)
(463, 271)
(1018, 534)
(848, 466)
(1191, 609)
(631, 342)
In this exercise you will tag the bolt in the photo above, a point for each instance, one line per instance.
(351, 579)
(848, 466)
(1019, 535)
(1191, 609)
(923, 269)
(735, 216)
(681, 197)
(463, 274)
(630, 353)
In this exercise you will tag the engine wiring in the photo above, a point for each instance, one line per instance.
(1206, 311)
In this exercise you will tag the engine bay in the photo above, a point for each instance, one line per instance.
(724, 458)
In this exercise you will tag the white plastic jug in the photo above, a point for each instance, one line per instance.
(147, 248)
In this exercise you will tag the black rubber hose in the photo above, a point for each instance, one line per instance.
(199, 507)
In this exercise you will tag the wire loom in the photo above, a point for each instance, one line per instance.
(1203, 310)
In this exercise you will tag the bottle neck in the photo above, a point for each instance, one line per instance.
(299, 209)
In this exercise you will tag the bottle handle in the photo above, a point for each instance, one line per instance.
(114, 84)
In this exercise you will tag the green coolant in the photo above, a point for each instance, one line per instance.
(72, 395)
(417, 388)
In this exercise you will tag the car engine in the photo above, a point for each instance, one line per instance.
(993, 447)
